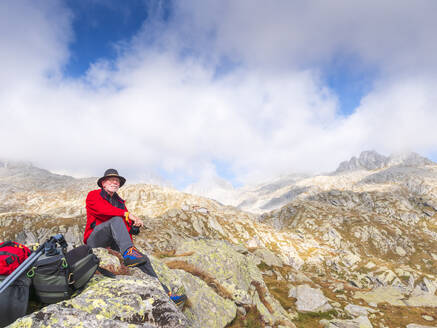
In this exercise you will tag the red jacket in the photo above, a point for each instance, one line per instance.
(99, 210)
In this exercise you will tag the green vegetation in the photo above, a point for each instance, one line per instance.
(311, 319)
(252, 319)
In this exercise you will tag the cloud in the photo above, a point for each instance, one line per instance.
(34, 42)
(171, 104)
(391, 35)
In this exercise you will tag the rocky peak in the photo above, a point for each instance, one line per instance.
(24, 176)
(368, 160)
(16, 164)
(371, 160)
(408, 159)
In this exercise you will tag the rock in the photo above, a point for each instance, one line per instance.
(368, 160)
(413, 325)
(426, 300)
(349, 259)
(298, 277)
(390, 295)
(400, 251)
(236, 273)
(240, 249)
(337, 287)
(206, 306)
(430, 286)
(214, 225)
(290, 256)
(427, 318)
(107, 302)
(360, 322)
(309, 299)
(387, 277)
(107, 261)
(241, 310)
(57, 317)
(370, 265)
(268, 257)
(394, 296)
(357, 310)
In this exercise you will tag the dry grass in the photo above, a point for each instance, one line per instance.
(312, 319)
(123, 270)
(252, 319)
(171, 253)
(284, 323)
(401, 316)
(208, 279)
(262, 292)
(279, 290)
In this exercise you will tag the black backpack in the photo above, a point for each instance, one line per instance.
(14, 300)
(57, 277)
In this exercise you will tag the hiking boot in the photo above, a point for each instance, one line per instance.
(132, 257)
(179, 300)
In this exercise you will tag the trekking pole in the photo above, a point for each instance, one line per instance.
(46, 247)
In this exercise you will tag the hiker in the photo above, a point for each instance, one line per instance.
(110, 224)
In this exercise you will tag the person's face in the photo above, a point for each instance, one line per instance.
(111, 185)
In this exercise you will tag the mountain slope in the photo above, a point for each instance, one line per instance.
(350, 240)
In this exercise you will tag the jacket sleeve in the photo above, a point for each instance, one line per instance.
(101, 208)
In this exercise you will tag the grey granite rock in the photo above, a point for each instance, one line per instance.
(309, 299)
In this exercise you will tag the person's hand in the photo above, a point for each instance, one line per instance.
(136, 220)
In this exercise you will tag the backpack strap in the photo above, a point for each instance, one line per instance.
(7, 243)
(105, 272)
(89, 265)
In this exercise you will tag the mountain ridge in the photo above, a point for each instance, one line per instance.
(350, 251)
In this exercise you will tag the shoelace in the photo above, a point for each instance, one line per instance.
(133, 252)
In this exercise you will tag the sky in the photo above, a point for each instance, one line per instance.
(190, 91)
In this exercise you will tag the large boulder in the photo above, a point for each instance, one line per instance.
(309, 299)
(360, 322)
(236, 273)
(391, 295)
(206, 308)
(395, 297)
(111, 302)
(268, 257)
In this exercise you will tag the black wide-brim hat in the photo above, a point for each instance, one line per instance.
(110, 173)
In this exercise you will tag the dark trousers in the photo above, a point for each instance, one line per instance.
(113, 233)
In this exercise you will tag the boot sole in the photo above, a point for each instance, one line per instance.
(135, 264)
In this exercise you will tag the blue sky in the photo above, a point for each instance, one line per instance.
(196, 91)
(100, 28)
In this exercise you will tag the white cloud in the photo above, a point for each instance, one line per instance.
(392, 35)
(153, 109)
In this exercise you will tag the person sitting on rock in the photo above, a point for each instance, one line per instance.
(110, 224)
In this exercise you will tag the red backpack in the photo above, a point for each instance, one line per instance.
(12, 254)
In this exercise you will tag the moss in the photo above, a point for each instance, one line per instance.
(279, 290)
(264, 267)
(252, 319)
(311, 319)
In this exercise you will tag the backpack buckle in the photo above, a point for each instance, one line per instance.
(70, 279)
